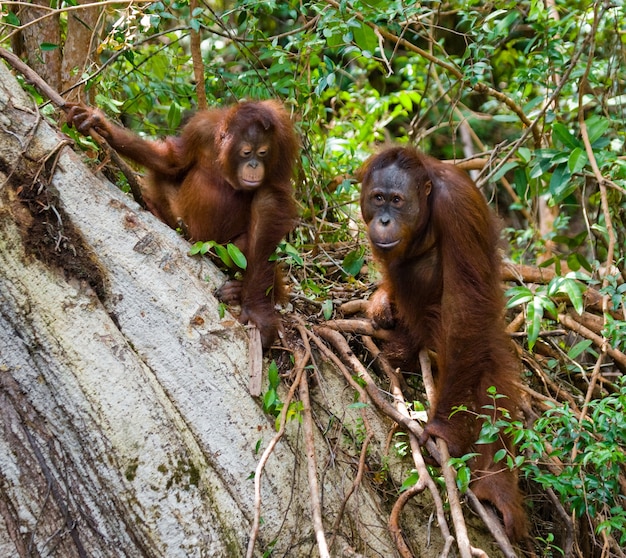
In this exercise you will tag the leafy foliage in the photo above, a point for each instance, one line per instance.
(586, 459)
(230, 255)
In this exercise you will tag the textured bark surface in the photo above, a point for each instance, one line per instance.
(79, 49)
(27, 42)
(127, 428)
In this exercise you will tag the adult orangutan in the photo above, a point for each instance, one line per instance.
(227, 178)
(436, 241)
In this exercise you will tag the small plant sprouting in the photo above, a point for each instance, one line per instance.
(230, 255)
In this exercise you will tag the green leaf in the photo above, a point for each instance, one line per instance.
(561, 184)
(410, 481)
(519, 295)
(268, 400)
(524, 154)
(237, 256)
(196, 248)
(291, 252)
(353, 262)
(365, 38)
(572, 288)
(11, 19)
(327, 308)
(544, 160)
(273, 375)
(549, 306)
(577, 160)
(358, 405)
(579, 348)
(504, 169)
(488, 434)
(505, 118)
(572, 262)
(404, 100)
(48, 46)
(201, 247)
(110, 104)
(499, 455)
(333, 40)
(463, 476)
(560, 132)
(174, 115)
(596, 126)
(495, 14)
(534, 314)
(222, 254)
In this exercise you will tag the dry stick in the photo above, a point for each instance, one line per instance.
(567, 544)
(516, 323)
(358, 479)
(35, 79)
(196, 58)
(340, 344)
(592, 384)
(598, 340)
(592, 160)
(394, 519)
(301, 358)
(605, 211)
(413, 428)
(488, 516)
(456, 511)
(354, 306)
(255, 360)
(521, 273)
(359, 326)
(425, 480)
(362, 398)
(254, 531)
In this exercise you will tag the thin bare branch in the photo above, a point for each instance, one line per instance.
(254, 531)
(449, 474)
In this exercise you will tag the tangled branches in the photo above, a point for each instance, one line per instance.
(349, 344)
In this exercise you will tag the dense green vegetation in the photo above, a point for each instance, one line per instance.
(530, 96)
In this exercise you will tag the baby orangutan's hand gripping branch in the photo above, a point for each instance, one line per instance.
(437, 243)
(227, 178)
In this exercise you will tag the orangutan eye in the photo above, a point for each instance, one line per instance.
(245, 151)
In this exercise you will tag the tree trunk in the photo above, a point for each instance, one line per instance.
(82, 38)
(128, 429)
(40, 25)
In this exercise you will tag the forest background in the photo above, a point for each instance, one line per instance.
(529, 97)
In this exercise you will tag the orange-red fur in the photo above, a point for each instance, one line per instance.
(441, 289)
(193, 184)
